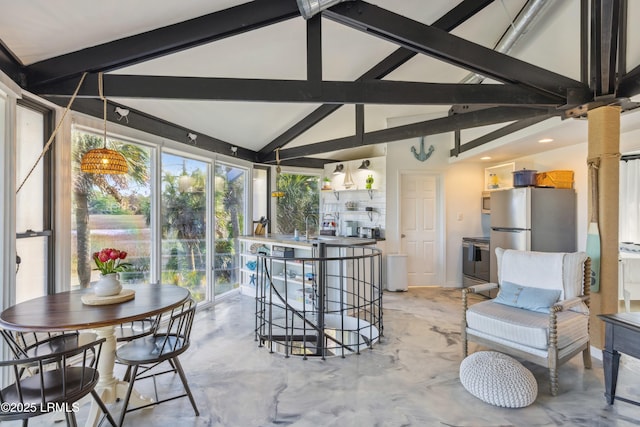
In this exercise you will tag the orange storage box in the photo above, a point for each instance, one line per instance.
(557, 179)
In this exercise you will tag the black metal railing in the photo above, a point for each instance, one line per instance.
(321, 305)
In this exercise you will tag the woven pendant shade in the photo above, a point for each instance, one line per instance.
(104, 161)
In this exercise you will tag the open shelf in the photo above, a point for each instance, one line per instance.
(336, 193)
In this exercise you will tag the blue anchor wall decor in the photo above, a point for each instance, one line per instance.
(422, 155)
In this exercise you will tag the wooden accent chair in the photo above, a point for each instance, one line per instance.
(525, 320)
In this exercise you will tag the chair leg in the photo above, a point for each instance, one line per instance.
(71, 419)
(127, 374)
(553, 379)
(103, 407)
(586, 357)
(126, 398)
(178, 367)
(465, 343)
(465, 350)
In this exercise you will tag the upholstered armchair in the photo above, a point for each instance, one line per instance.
(541, 312)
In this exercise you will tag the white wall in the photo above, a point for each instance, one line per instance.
(575, 158)
(462, 185)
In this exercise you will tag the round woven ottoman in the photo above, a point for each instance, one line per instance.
(498, 379)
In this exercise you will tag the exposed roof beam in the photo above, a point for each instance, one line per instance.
(536, 117)
(605, 16)
(299, 128)
(454, 50)
(163, 41)
(358, 92)
(456, 16)
(430, 127)
(314, 54)
(10, 64)
(156, 126)
(630, 83)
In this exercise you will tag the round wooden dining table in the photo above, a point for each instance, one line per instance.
(65, 311)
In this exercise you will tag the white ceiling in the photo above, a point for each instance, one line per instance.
(39, 29)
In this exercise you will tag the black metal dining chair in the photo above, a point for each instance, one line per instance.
(54, 385)
(24, 345)
(143, 355)
(130, 331)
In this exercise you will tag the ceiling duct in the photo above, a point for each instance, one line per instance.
(308, 8)
(532, 10)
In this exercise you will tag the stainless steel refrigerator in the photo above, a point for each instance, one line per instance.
(533, 219)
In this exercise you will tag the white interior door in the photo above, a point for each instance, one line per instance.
(419, 228)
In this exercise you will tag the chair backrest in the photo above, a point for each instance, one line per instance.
(54, 383)
(567, 271)
(175, 337)
(21, 344)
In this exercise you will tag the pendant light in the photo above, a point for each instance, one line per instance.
(103, 160)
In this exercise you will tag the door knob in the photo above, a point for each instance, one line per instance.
(403, 235)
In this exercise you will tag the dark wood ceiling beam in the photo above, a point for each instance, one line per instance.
(630, 84)
(484, 117)
(449, 21)
(314, 54)
(536, 117)
(439, 44)
(358, 92)
(163, 41)
(359, 120)
(156, 126)
(10, 65)
(298, 129)
(605, 16)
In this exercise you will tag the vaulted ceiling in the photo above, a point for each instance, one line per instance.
(257, 76)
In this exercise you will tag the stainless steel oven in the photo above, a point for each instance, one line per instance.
(475, 260)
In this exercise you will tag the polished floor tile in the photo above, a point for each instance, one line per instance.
(410, 378)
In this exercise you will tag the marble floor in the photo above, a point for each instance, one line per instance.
(410, 378)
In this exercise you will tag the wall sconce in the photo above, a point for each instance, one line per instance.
(365, 164)
(339, 168)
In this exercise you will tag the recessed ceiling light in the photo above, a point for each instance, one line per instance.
(485, 158)
(545, 140)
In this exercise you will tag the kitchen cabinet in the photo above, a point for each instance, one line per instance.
(293, 277)
(499, 177)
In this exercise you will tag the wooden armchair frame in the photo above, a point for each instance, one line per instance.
(552, 361)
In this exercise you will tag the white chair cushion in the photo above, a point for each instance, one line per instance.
(525, 327)
(549, 270)
(498, 379)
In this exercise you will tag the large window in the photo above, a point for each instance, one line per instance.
(184, 223)
(34, 269)
(187, 236)
(110, 211)
(298, 208)
(230, 208)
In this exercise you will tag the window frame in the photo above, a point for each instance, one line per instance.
(48, 190)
